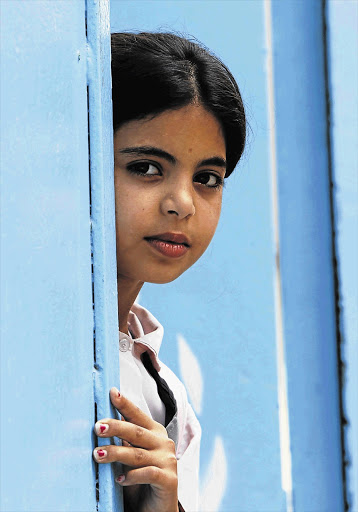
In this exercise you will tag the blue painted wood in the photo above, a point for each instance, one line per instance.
(46, 314)
(306, 255)
(106, 372)
(342, 22)
(224, 305)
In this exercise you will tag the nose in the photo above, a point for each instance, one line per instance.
(178, 201)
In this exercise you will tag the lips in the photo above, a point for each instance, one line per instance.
(174, 238)
(172, 245)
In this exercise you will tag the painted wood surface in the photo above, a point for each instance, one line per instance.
(342, 41)
(46, 298)
(306, 258)
(106, 353)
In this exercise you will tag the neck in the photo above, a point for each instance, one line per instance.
(127, 293)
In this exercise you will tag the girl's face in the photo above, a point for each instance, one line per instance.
(169, 172)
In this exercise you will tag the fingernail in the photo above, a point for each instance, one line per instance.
(120, 479)
(116, 391)
(100, 454)
(101, 428)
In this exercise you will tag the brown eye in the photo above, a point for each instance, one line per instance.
(144, 169)
(209, 179)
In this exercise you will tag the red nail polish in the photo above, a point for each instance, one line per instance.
(102, 428)
(120, 479)
(101, 453)
(119, 395)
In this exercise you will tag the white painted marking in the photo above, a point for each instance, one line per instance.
(191, 373)
(284, 425)
(214, 486)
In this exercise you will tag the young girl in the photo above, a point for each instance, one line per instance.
(179, 130)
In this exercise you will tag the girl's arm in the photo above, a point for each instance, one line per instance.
(147, 453)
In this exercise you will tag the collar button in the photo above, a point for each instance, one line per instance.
(124, 345)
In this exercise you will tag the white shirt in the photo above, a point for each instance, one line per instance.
(139, 387)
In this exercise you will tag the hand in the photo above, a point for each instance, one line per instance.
(148, 456)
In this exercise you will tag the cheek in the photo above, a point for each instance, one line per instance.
(209, 222)
(214, 213)
(131, 215)
(125, 214)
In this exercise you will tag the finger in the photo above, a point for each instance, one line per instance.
(134, 434)
(132, 413)
(149, 475)
(134, 457)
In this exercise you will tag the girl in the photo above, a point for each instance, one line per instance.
(179, 130)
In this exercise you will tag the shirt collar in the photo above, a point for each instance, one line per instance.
(146, 333)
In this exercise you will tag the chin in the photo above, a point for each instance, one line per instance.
(163, 279)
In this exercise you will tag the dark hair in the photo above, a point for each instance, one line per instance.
(154, 72)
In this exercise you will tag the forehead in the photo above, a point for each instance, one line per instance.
(191, 129)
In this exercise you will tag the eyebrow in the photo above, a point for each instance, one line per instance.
(153, 151)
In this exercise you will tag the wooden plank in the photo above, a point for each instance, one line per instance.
(342, 42)
(106, 372)
(305, 256)
(46, 311)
